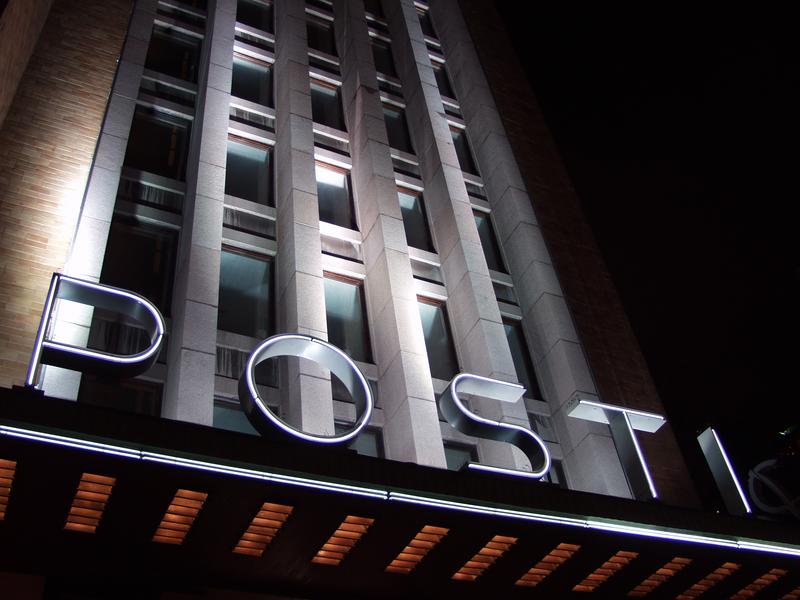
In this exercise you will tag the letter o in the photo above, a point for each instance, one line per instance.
(324, 354)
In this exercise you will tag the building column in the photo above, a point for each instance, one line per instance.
(590, 456)
(411, 431)
(477, 326)
(301, 291)
(189, 393)
(72, 321)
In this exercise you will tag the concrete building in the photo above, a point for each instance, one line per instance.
(375, 174)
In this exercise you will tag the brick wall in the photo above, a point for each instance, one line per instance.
(21, 22)
(46, 146)
(618, 365)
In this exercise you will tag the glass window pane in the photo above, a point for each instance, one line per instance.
(252, 81)
(373, 7)
(368, 443)
(543, 425)
(522, 358)
(397, 129)
(414, 221)
(426, 23)
(347, 319)
(141, 258)
(158, 143)
(245, 295)
(254, 14)
(382, 54)
(320, 37)
(457, 455)
(491, 249)
(326, 109)
(248, 173)
(442, 81)
(173, 53)
(463, 152)
(333, 194)
(556, 474)
(438, 342)
(231, 417)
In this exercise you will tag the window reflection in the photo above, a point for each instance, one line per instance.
(255, 14)
(397, 129)
(173, 53)
(522, 358)
(248, 172)
(463, 152)
(438, 341)
(382, 54)
(333, 193)
(491, 249)
(347, 318)
(326, 106)
(158, 143)
(252, 81)
(246, 295)
(320, 37)
(415, 221)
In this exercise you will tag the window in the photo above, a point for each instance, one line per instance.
(173, 53)
(320, 37)
(333, 194)
(463, 151)
(367, 443)
(246, 295)
(374, 8)
(426, 23)
(382, 54)
(556, 474)
(443, 81)
(254, 14)
(397, 129)
(415, 221)
(229, 415)
(158, 143)
(491, 249)
(438, 341)
(252, 80)
(543, 425)
(141, 258)
(458, 455)
(131, 395)
(326, 105)
(248, 172)
(347, 317)
(522, 358)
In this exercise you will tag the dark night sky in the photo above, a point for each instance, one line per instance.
(681, 136)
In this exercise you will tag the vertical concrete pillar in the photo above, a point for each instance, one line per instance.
(411, 431)
(474, 316)
(301, 291)
(591, 460)
(88, 246)
(189, 394)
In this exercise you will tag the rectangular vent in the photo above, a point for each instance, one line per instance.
(342, 541)
(422, 543)
(554, 559)
(609, 568)
(89, 502)
(759, 584)
(7, 470)
(150, 195)
(485, 558)
(709, 580)
(263, 529)
(240, 115)
(179, 517)
(660, 576)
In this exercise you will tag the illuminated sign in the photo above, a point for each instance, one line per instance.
(622, 421)
(68, 356)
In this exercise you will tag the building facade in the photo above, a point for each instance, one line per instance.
(374, 174)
